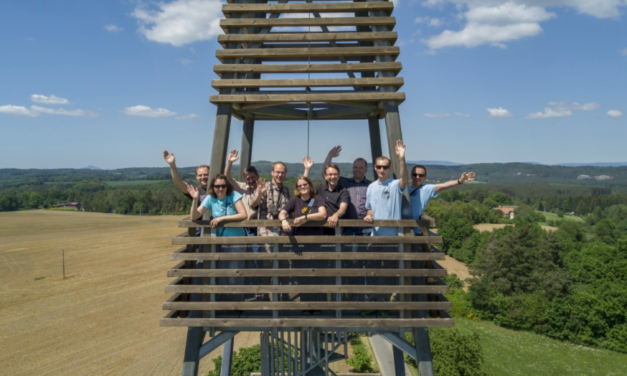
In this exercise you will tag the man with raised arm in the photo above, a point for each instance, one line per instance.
(246, 189)
(356, 187)
(384, 196)
(335, 196)
(420, 193)
(202, 175)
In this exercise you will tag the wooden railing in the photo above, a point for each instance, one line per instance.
(308, 281)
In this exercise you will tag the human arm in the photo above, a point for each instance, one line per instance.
(233, 157)
(308, 163)
(400, 153)
(333, 153)
(284, 224)
(368, 218)
(196, 211)
(344, 200)
(465, 178)
(321, 215)
(240, 216)
(262, 188)
(174, 172)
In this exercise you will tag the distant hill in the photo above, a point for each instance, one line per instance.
(597, 164)
(90, 167)
(434, 163)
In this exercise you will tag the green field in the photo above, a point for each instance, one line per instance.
(131, 182)
(554, 217)
(509, 352)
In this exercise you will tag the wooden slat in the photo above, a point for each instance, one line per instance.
(321, 82)
(228, 9)
(225, 24)
(313, 97)
(394, 256)
(293, 306)
(177, 287)
(312, 52)
(390, 36)
(306, 68)
(341, 223)
(295, 240)
(306, 273)
(309, 323)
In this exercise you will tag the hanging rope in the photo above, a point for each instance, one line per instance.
(308, 88)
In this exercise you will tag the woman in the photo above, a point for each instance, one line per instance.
(225, 205)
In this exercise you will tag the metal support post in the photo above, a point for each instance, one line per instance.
(195, 337)
(423, 351)
(375, 140)
(227, 358)
(247, 146)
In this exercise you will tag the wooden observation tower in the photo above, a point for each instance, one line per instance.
(307, 60)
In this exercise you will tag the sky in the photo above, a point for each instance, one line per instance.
(114, 83)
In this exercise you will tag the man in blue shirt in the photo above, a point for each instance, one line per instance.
(384, 196)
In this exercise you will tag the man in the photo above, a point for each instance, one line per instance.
(335, 196)
(420, 194)
(356, 187)
(202, 175)
(246, 189)
(384, 196)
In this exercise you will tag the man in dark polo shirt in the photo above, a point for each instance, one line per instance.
(335, 196)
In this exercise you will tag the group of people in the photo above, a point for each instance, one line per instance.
(229, 200)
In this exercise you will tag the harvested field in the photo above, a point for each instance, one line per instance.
(491, 226)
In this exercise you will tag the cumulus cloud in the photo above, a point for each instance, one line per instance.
(550, 113)
(624, 52)
(113, 28)
(614, 113)
(499, 112)
(38, 98)
(61, 111)
(179, 22)
(493, 22)
(431, 21)
(146, 111)
(10, 109)
(184, 61)
(437, 115)
(187, 117)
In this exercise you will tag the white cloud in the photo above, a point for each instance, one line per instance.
(499, 112)
(187, 117)
(550, 113)
(146, 111)
(38, 98)
(113, 28)
(624, 52)
(437, 115)
(61, 111)
(430, 21)
(180, 22)
(459, 114)
(184, 61)
(433, 3)
(17, 110)
(614, 113)
(575, 106)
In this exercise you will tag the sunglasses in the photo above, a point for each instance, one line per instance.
(381, 167)
(219, 186)
(302, 186)
(419, 175)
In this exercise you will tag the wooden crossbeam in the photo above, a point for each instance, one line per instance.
(298, 306)
(391, 256)
(306, 273)
(309, 323)
(229, 9)
(295, 240)
(306, 52)
(390, 36)
(306, 289)
(313, 97)
(324, 82)
(388, 22)
(220, 69)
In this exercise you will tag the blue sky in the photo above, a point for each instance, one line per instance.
(113, 83)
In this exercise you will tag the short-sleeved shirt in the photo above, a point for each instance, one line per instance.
(357, 193)
(202, 193)
(384, 199)
(334, 198)
(248, 195)
(420, 197)
(220, 208)
(297, 206)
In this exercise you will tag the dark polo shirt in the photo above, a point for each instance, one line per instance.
(334, 198)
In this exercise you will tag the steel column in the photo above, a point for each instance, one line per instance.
(375, 140)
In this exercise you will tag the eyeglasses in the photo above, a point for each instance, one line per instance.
(219, 186)
(381, 167)
(419, 175)
(302, 186)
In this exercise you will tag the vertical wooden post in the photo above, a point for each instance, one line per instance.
(247, 146)
(63, 260)
(220, 139)
(195, 337)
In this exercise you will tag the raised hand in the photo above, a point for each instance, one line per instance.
(193, 191)
(262, 186)
(466, 177)
(308, 163)
(169, 158)
(400, 149)
(335, 151)
(233, 156)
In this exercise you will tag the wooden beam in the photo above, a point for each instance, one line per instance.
(308, 323)
(306, 289)
(388, 22)
(307, 37)
(296, 240)
(394, 256)
(428, 222)
(313, 82)
(228, 9)
(220, 69)
(299, 306)
(306, 273)
(306, 52)
(313, 97)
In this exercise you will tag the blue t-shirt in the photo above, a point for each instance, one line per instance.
(220, 208)
(420, 197)
(384, 199)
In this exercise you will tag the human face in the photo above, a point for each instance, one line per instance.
(417, 181)
(332, 176)
(382, 166)
(251, 179)
(359, 170)
(202, 175)
(278, 174)
(303, 188)
(219, 187)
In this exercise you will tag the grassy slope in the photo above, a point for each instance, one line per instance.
(555, 217)
(509, 352)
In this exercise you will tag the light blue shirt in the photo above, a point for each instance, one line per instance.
(420, 197)
(384, 199)
(220, 208)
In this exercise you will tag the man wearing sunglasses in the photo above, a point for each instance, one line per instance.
(384, 196)
(420, 194)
